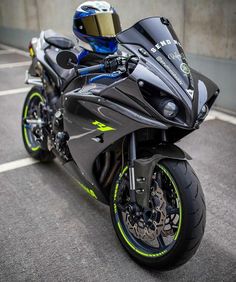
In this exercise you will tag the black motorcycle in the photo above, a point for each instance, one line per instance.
(113, 125)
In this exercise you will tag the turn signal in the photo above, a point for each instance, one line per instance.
(31, 50)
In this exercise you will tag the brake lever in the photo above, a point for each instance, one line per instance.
(131, 63)
(112, 75)
(113, 62)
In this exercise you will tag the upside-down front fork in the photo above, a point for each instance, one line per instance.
(132, 158)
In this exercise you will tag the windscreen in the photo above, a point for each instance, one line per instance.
(158, 38)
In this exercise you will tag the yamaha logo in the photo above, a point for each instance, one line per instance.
(185, 68)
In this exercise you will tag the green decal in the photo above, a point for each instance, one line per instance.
(89, 191)
(86, 189)
(102, 127)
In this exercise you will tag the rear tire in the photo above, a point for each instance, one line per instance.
(33, 98)
(192, 224)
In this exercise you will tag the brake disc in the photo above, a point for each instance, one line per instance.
(149, 230)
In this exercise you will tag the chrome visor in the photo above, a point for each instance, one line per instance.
(101, 24)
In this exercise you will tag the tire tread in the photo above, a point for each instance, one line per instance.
(194, 218)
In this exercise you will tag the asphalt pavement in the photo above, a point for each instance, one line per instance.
(51, 230)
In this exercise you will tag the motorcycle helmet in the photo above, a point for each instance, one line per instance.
(96, 24)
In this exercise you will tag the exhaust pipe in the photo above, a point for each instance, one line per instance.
(32, 80)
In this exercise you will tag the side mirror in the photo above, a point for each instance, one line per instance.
(66, 60)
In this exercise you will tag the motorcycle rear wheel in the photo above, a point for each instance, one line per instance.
(191, 219)
(33, 99)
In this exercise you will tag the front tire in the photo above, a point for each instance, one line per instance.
(191, 222)
(32, 146)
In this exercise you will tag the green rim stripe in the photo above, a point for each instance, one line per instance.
(117, 186)
(25, 131)
(35, 94)
(179, 201)
(135, 249)
(120, 227)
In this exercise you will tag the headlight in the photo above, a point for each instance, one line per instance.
(204, 109)
(203, 113)
(169, 109)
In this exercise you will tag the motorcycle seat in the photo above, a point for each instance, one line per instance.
(58, 40)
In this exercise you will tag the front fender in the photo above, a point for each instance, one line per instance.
(170, 151)
(143, 169)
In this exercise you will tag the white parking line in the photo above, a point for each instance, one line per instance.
(6, 52)
(13, 65)
(17, 164)
(213, 115)
(15, 50)
(14, 91)
(10, 50)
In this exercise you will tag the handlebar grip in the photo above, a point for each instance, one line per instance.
(88, 70)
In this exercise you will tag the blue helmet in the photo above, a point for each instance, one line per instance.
(96, 24)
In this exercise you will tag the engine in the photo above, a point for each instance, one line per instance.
(60, 137)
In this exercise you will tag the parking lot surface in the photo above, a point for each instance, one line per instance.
(50, 230)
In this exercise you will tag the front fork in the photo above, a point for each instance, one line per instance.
(132, 158)
(140, 176)
(141, 170)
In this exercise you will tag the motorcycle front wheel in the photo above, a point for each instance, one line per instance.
(168, 233)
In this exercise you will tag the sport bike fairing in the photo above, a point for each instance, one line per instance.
(154, 41)
(96, 116)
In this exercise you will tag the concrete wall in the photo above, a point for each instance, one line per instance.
(223, 73)
(205, 27)
(210, 28)
(35, 15)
